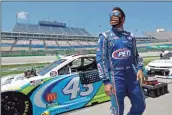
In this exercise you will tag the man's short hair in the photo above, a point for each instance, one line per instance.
(119, 9)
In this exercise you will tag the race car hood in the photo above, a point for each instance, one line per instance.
(13, 82)
(18, 82)
(161, 63)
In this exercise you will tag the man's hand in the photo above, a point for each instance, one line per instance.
(109, 89)
(114, 20)
(140, 76)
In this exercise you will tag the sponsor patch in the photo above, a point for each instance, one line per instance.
(110, 44)
(36, 82)
(130, 38)
(51, 97)
(51, 105)
(115, 37)
(53, 73)
(98, 49)
(99, 68)
(121, 54)
(26, 110)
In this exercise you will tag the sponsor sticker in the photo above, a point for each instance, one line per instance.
(98, 49)
(53, 73)
(121, 54)
(26, 110)
(130, 38)
(51, 105)
(51, 97)
(36, 82)
(100, 70)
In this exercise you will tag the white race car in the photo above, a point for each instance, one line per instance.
(161, 67)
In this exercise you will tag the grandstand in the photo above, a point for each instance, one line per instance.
(46, 36)
(55, 36)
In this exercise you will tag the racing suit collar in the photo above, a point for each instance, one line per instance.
(117, 29)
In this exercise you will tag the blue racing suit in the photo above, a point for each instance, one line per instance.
(117, 63)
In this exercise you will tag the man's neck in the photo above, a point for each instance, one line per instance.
(117, 28)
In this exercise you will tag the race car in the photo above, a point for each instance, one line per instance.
(161, 67)
(61, 86)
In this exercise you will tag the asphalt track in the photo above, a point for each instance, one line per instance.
(155, 106)
(45, 59)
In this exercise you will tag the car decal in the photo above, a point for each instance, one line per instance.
(26, 89)
(39, 93)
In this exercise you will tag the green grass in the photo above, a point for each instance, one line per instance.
(10, 73)
(38, 65)
(22, 65)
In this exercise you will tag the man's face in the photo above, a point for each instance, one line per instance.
(116, 18)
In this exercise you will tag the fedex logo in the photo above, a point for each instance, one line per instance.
(121, 54)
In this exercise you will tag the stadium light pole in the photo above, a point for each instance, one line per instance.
(16, 17)
(69, 23)
(99, 26)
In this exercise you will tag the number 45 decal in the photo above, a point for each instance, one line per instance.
(73, 88)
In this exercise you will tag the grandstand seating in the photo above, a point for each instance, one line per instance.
(37, 45)
(37, 42)
(19, 28)
(160, 35)
(7, 41)
(22, 43)
(85, 32)
(92, 43)
(74, 43)
(45, 29)
(78, 31)
(50, 43)
(152, 44)
(56, 30)
(31, 28)
(63, 43)
(20, 48)
(7, 48)
(84, 43)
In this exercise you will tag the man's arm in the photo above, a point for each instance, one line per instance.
(102, 59)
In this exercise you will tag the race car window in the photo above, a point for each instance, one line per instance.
(89, 64)
(88, 61)
(74, 65)
(64, 70)
(167, 56)
(50, 67)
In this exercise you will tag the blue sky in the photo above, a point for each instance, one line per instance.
(143, 16)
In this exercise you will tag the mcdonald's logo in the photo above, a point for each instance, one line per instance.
(51, 97)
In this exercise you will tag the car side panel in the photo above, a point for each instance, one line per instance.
(63, 93)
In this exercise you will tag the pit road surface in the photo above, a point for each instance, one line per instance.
(155, 106)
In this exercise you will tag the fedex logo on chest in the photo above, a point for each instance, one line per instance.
(121, 53)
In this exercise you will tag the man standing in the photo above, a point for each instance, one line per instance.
(119, 67)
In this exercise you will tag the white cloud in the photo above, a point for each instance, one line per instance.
(22, 15)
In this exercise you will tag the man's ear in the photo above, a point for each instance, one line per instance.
(122, 20)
